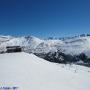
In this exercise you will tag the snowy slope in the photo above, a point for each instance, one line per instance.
(5, 38)
(72, 46)
(22, 41)
(28, 72)
(77, 45)
(28, 42)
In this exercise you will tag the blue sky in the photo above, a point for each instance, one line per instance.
(44, 18)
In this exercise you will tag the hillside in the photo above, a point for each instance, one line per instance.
(29, 72)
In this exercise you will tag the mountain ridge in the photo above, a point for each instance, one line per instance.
(73, 45)
(67, 50)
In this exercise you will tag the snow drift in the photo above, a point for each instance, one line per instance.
(29, 72)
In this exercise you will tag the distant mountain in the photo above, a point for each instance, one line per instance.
(72, 46)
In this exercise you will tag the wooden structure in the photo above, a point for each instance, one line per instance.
(11, 49)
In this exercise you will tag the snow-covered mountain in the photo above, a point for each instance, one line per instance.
(29, 72)
(72, 46)
(20, 41)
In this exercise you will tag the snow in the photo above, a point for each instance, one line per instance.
(29, 72)
(31, 44)
(5, 38)
(74, 46)
(21, 41)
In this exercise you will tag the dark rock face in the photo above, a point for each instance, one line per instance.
(59, 57)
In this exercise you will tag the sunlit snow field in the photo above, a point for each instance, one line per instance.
(29, 72)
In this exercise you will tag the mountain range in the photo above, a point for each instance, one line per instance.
(61, 50)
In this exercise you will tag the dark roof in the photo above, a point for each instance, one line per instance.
(13, 47)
